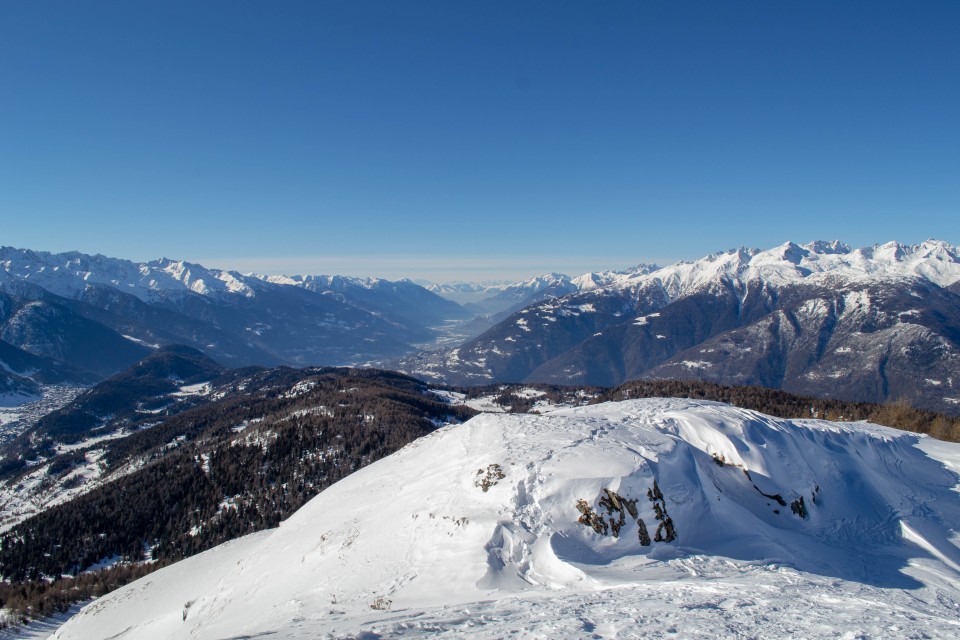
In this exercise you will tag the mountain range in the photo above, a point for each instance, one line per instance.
(499, 299)
(100, 314)
(873, 324)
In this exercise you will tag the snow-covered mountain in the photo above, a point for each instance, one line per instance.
(497, 297)
(654, 518)
(870, 324)
(501, 298)
(238, 319)
(463, 292)
(597, 279)
(69, 274)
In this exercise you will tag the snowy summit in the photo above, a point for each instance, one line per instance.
(648, 518)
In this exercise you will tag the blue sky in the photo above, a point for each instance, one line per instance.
(447, 140)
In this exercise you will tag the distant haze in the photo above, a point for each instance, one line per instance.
(426, 268)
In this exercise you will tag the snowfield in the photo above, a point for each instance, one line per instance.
(504, 526)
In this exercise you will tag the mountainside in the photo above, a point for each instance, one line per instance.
(521, 294)
(237, 319)
(23, 374)
(655, 517)
(44, 324)
(151, 387)
(872, 324)
(39, 368)
(402, 299)
(177, 455)
(16, 390)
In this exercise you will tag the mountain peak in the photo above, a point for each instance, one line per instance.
(827, 247)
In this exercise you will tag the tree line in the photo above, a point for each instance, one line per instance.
(774, 402)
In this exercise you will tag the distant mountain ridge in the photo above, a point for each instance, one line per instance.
(57, 305)
(402, 299)
(873, 324)
(500, 298)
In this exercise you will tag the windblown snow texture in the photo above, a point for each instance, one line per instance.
(780, 529)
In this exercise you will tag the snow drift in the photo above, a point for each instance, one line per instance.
(513, 523)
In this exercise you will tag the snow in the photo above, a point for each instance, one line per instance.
(528, 392)
(485, 404)
(142, 343)
(16, 420)
(25, 496)
(468, 292)
(820, 263)
(300, 388)
(450, 397)
(645, 320)
(189, 390)
(598, 279)
(473, 530)
(38, 629)
(817, 263)
(69, 274)
(474, 292)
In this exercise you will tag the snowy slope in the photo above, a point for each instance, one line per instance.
(474, 529)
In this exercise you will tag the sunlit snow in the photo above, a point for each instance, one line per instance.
(784, 529)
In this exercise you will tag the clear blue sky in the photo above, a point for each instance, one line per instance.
(451, 139)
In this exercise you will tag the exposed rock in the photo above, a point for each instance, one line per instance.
(773, 496)
(494, 474)
(642, 532)
(665, 530)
